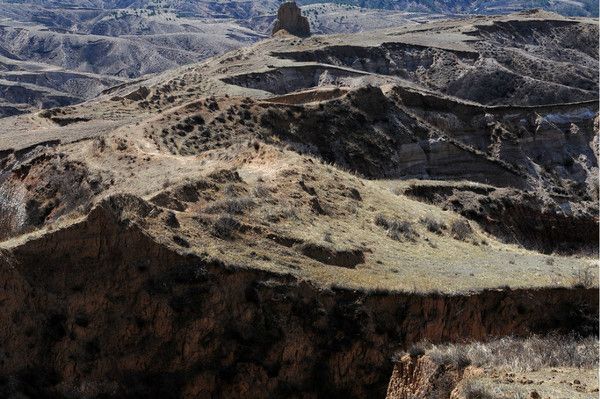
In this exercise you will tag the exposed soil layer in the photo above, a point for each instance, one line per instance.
(421, 377)
(517, 216)
(408, 134)
(287, 80)
(513, 62)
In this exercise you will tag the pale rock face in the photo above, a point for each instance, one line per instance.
(290, 19)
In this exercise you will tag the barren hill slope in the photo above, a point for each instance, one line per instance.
(58, 53)
(278, 220)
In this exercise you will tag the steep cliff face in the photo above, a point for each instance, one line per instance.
(114, 312)
(414, 135)
(39, 184)
(509, 62)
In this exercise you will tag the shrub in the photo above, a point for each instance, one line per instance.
(434, 225)
(261, 191)
(225, 226)
(461, 229)
(171, 220)
(234, 205)
(451, 355)
(476, 390)
(181, 241)
(416, 350)
(397, 229)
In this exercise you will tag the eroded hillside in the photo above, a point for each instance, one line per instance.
(279, 220)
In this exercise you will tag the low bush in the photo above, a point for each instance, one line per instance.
(232, 205)
(476, 390)
(225, 227)
(434, 225)
(584, 277)
(397, 229)
(461, 229)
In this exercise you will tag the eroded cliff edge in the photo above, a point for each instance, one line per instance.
(104, 309)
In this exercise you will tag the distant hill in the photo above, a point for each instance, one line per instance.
(565, 7)
(62, 52)
(250, 8)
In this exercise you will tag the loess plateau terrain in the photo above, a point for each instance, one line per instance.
(279, 220)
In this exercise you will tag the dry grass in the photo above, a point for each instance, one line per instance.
(518, 354)
(476, 389)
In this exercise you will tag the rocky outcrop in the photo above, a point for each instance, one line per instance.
(104, 309)
(290, 19)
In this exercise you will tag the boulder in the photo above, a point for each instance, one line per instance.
(290, 19)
